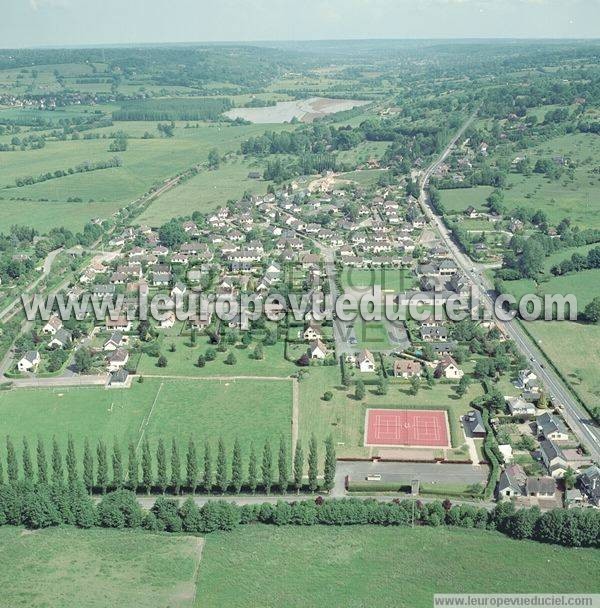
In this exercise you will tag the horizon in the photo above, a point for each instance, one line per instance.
(64, 23)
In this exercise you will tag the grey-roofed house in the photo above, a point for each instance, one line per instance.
(553, 458)
(512, 482)
(474, 422)
(589, 482)
(551, 427)
(61, 338)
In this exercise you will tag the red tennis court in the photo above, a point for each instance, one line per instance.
(423, 428)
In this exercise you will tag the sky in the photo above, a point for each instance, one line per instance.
(26, 23)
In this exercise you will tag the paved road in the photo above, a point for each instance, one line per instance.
(573, 412)
(406, 471)
(47, 265)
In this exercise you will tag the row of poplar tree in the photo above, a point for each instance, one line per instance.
(163, 469)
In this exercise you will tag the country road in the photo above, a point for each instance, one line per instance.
(573, 412)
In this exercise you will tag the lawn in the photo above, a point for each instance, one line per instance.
(456, 200)
(344, 417)
(378, 567)
(575, 350)
(389, 279)
(183, 362)
(372, 335)
(204, 409)
(66, 567)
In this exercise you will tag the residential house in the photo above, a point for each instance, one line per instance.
(473, 421)
(121, 324)
(29, 361)
(512, 482)
(407, 368)
(313, 332)
(448, 368)
(519, 408)
(589, 482)
(365, 361)
(553, 458)
(52, 326)
(317, 350)
(116, 340)
(117, 359)
(61, 339)
(550, 427)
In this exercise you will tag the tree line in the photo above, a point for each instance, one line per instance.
(167, 469)
(84, 167)
(45, 505)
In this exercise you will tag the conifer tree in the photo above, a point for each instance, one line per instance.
(175, 467)
(57, 464)
(192, 466)
(330, 464)
(117, 466)
(133, 474)
(71, 460)
(161, 466)
(252, 470)
(237, 474)
(221, 472)
(298, 466)
(267, 467)
(12, 465)
(146, 466)
(313, 463)
(282, 466)
(42, 463)
(207, 478)
(88, 466)
(102, 471)
(27, 463)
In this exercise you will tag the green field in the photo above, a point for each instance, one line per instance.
(344, 417)
(205, 409)
(389, 279)
(183, 362)
(204, 192)
(456, 200)
(577, 199)
(575, 350)
(66, 567)
(379, 567)
(146, 162)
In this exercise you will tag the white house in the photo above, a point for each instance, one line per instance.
(318, 350)
(448, 368)
(29, 361)
(52, 326)
(365, 361)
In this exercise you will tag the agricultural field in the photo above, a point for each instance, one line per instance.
(373, 566)
(575, 199)
(146, 162)
(456, 200)
(574, 349)
(204, 409)
(204, 192)
(97, 568)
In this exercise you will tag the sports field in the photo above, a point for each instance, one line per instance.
(379, 567)
(66, 567)
(423, 428)
(205, 409)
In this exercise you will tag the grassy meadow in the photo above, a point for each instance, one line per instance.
(206, 410)
(66, 567)
(378, 567)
